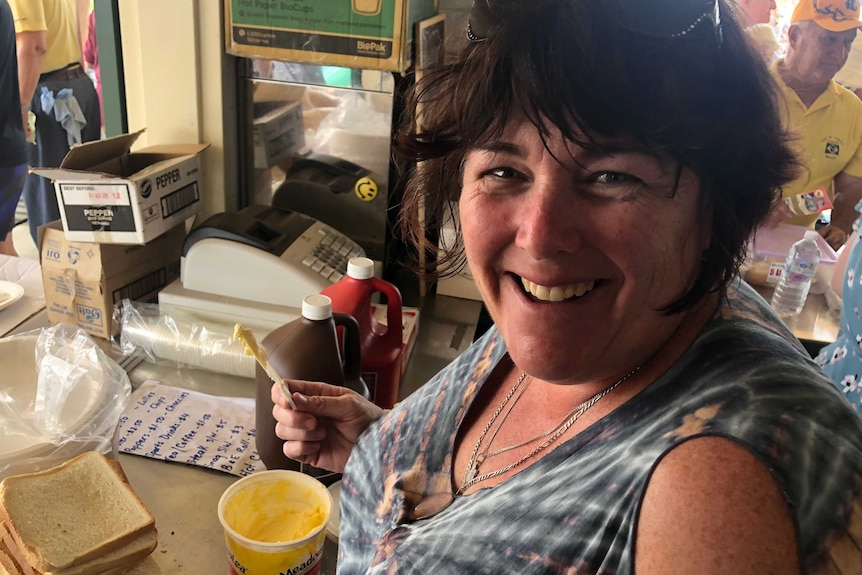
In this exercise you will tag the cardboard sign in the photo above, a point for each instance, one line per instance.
(368, 34)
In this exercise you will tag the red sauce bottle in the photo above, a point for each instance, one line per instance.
(382, 353)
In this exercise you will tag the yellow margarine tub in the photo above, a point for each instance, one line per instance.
(275, 522)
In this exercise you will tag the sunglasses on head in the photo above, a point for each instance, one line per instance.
(666, 19)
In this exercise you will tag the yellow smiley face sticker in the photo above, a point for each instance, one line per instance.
(365, 189)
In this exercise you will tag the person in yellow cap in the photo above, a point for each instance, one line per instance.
(826, 117)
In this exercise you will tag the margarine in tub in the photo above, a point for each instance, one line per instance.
(275, 522)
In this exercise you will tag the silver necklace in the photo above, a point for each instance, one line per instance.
(471, 476)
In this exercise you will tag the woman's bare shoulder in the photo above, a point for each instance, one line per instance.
(710, 507)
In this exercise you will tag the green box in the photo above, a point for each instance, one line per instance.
(367, 34)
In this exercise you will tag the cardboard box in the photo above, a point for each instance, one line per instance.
(368, 34)
(277, 133)
(84, 280)
(109, 194)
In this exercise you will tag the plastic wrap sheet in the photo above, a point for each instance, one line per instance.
(62, 395)
(184, 341)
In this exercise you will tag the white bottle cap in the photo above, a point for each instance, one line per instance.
(317, 307)
(360, 268)
(812, 235)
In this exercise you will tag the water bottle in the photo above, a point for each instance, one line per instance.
(306, 348)
(802, 259)
(381, 344)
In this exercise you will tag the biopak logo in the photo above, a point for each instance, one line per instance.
(370, 46)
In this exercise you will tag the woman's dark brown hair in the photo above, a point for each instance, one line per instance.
(680, 80)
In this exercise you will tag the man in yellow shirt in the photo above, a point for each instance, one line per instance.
(826, 117)
(55, 87)
(13, 151)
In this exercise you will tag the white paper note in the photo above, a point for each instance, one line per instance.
(164, 422)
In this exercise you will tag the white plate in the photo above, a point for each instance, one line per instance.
(18, 357)
(10, 292)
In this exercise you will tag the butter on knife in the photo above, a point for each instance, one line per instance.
(249, 343)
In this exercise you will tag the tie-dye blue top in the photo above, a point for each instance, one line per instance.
(575, 510)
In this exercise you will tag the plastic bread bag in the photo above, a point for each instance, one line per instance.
(184, 341)
(61, 396)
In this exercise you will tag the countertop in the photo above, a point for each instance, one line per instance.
(183, 498)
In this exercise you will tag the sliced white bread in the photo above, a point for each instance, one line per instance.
(146, 566)
(13, 552)
(119, 469)
(122, 559)
(72, 513)
(8, 566)
(128, 559)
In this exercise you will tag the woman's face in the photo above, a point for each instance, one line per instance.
(601, 243)
(758, 11)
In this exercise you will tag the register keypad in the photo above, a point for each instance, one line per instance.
(329, 257)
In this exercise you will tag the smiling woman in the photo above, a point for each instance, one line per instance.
(635, 408)
(558, 218)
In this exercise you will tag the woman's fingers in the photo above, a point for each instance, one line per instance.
(301, 451)
(294, 425)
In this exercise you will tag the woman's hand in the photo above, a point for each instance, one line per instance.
(327, 422)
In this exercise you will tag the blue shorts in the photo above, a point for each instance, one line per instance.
(11, 184)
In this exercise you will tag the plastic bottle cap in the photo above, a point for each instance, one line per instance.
(811, 235)
(317, 307)
(360, 268)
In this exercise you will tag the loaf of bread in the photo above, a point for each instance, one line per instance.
(81, 517)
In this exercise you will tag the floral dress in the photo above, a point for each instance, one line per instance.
(575, 510)
(842, 359)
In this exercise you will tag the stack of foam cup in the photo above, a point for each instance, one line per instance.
(194, 343)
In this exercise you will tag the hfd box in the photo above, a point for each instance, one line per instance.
(369, 34)
(84, 280)
(108, 194)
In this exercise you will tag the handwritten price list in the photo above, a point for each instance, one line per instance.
(163, 422)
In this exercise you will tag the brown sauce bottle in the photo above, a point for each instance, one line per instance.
(306, 348)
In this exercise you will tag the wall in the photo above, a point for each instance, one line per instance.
(180, 86)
